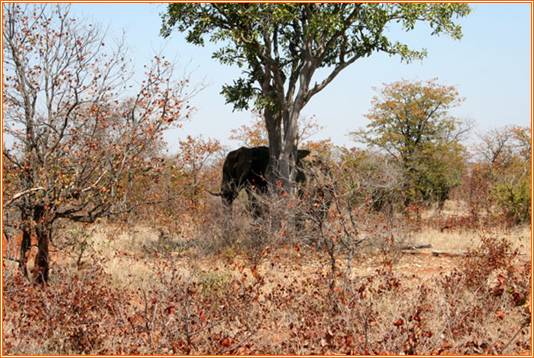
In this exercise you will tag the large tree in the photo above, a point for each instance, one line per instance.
(281, 47)
(412, 124)
(75, 143)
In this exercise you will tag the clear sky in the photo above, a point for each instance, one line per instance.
(490, 67)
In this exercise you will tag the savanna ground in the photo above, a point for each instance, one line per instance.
(207, 288)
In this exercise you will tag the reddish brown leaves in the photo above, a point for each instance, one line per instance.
(398, 322)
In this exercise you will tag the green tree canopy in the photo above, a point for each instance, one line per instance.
(280, 47)
(410, 121)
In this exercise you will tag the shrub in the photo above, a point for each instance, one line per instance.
(513, 199)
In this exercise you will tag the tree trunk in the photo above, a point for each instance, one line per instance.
(273, 123)
(289, 151)
(282, 147)
(25, 218)
(42, 232)
(25, 245)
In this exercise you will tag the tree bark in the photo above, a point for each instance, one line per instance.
(25, 245)
(42, 232)
(282, 131)
(289, 153)
(273, 123)
(26, 216)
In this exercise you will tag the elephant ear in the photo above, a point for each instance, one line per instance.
(302, 153)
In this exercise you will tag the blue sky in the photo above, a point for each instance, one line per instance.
(490, 67)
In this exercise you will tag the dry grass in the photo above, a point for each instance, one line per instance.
(459, 241)
(172, 294)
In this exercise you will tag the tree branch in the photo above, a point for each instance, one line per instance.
(22, 194)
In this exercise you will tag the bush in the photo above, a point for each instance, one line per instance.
(505, 155)
(76, 315)
(513, 199)
(370, 178)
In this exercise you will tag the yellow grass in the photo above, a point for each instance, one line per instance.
(128, 256)
(461, 241)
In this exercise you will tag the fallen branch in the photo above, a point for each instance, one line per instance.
(447, 254)
(416, 247)
(433, 253)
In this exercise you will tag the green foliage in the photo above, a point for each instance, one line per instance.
(514, 200)
(410, 122)
(281, 47)
(439, 168)
(274, 43)
(506, 154)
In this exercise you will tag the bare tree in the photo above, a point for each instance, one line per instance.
(76, 143)
(498, 145)
(494, 145)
